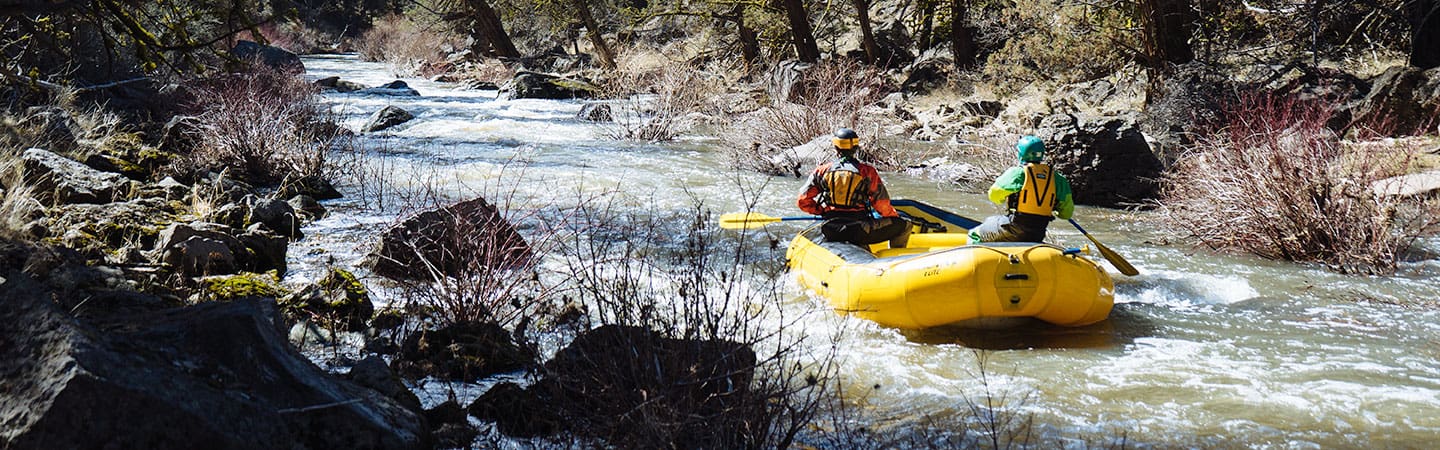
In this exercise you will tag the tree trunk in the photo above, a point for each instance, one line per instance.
(749, 41)
(962, 37)
(491, 32)
(805, 47)
(1425, 39)
(927, 24)
(1169, 24)
(592, 30)
(867, 34)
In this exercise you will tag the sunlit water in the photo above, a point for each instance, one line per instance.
(1200, 351)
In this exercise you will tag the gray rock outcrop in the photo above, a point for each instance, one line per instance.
(59, 180)
(1106, 159)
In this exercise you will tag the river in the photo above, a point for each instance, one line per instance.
(1200, 351)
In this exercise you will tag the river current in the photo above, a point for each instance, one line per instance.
(1201, 351)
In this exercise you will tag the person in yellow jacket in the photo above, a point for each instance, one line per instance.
(1034, 194)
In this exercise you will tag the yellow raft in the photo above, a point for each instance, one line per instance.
(938, 280)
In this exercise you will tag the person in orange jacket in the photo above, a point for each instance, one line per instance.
(849, 194)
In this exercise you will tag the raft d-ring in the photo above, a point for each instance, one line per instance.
(1014, 259)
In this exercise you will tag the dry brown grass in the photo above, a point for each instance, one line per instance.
(409, 47)
(1276, 183)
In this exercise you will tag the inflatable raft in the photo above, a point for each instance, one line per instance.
(937, 279)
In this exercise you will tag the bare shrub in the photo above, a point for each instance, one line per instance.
(1277, 183)
(676, 276)
(266, 126)
(833, 94)
(657, 95)
(409, 47)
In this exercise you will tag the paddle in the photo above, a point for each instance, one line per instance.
(742, 221)
(1110, 255)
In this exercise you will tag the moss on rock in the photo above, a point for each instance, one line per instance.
(241, 285)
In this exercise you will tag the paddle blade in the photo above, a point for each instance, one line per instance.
(1120, 263)
(743, 221)
(1115, 259)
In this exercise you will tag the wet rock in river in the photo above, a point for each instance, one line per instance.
(373, 373)
(275, 215)
(307, 207)
(460, 239)
(394, 88)
(545, 86)
(595, 112)
(387, 117)
(338, 299)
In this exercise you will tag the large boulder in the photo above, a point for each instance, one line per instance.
(1404, 99)
(612, 379)
(456, 240)
(217, 375)
(276, 215)
(799, 160)
(545, 86)
(931, 71)
(1106, 159)
(59, 180)
(273, 57)
(1411, 185)
(387, 117)
(555, 60)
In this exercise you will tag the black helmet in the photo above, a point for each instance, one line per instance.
(846, 140)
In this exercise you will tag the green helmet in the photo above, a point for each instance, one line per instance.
(1030, 149)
